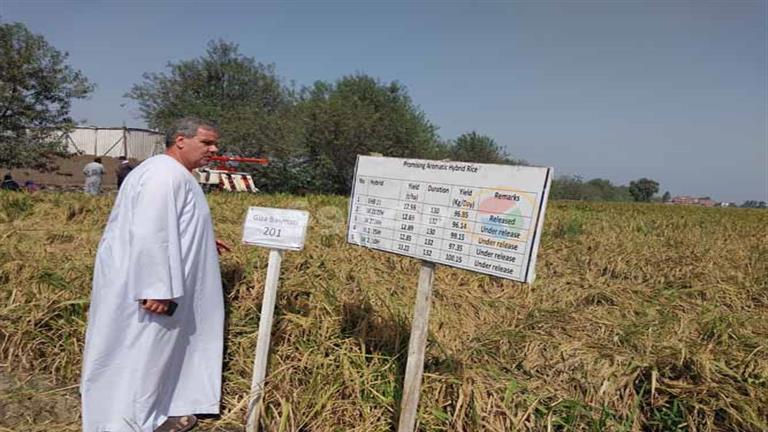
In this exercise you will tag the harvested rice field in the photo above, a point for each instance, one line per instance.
(642, 318)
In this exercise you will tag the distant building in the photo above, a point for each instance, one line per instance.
(689, 200)
(132, 143)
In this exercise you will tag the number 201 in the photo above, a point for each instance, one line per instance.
(272, 232)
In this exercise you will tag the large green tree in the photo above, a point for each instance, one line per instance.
(37, 88)
(643, 189)
(246, 98)
(358, 115)
(474, 147)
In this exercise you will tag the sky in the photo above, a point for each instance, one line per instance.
(676, 91)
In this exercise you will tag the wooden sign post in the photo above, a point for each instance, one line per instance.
(277, 229)
(414, 368)
(262, 343)
(478, 217)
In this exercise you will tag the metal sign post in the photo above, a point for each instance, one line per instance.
(277, 229)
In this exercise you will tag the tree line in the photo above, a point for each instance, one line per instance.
(576, 188)
(311, 134)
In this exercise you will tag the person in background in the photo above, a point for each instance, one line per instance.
(31, 186)
(93, 171)
(123, 170)
(9, 183)
(147, 368)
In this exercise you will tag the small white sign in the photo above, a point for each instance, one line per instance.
(275, 228)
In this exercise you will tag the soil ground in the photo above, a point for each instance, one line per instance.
(68, 174)
(31, 404)
(28, 402)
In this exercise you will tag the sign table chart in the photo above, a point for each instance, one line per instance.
(479, 217)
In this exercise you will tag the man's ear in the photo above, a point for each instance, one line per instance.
(179, 141)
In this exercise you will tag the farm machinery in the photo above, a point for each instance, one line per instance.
(223, 174)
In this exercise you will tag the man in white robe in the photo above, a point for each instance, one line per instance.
(93, 172)
(141, 367)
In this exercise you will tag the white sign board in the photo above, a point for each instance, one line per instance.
(275, 228)
(480, 217)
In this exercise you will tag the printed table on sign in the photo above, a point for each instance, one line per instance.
(488, 229)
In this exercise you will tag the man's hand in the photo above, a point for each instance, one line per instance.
(222, 247)
(156, 306)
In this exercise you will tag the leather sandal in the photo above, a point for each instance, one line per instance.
(178, 424)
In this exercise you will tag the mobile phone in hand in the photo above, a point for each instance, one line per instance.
(172, 305)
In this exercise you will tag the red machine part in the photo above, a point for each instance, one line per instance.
(220, 162)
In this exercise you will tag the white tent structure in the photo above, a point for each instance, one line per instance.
(132, 143)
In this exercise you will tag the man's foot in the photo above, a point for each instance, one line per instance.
(178, 424)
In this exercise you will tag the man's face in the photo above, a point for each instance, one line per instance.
(195, 151)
